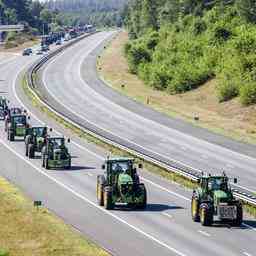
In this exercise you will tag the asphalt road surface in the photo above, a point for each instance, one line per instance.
(164, 228)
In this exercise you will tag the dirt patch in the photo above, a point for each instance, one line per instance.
(21, 47)
(229, 118)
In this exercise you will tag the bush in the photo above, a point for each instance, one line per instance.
(248, 93)
(226, 90)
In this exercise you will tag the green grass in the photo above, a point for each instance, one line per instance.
(28, 231)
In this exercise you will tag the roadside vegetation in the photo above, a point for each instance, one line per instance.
(177, 46)
(26, 230)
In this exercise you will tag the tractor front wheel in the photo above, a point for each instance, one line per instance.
(195, 209)
(206, 216)
(31, 151)
(143, 204)
(108, 203)
(239, 217)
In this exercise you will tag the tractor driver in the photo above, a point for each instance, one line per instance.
(117, 168)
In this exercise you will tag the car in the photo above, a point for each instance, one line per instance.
(58, 42)
(39, 52)
(45, 48)
(27, 52)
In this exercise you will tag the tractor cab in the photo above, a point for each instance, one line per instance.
(35, 139)
(118, 169)
(55, 153)
(17, 126)
(37, 131)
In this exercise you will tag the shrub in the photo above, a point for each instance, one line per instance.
(248, 93)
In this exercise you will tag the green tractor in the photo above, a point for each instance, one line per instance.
(55, 154)
(35, 139)
(214, 200)
(17, 126)
(120, 185)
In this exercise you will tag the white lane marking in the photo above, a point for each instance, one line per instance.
(93, 153)
(165, 189)
(167, 215)
(90, 174)
(8, 60)
(247, 254)
(204, 233)
(91, 202)
(249, 226)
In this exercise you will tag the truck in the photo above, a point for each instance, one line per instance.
(17, 126)
(214, 201)
(35, 140)
(55, 154)
(120, 184)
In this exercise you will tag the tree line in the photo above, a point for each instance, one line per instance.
(97, 12)
(177, 45)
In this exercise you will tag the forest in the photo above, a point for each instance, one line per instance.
(105, 13)
(178, 45)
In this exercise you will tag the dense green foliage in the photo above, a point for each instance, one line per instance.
(97, 12)
(176, 45)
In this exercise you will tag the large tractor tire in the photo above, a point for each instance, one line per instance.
(206, 215)
(31, 151)
(12, 136)
(100, 189)
(195, 209)
(143, 204)
(239, 218)
(26, 149)
(47, 164)
(108, 202)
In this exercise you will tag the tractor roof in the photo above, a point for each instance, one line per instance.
(119, 159)
(213, 176)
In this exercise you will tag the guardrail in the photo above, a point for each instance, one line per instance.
(170, 165)
(7, 28)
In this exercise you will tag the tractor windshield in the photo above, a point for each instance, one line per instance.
(16, 111)
(57, 142)
(121, 167)
(39, 131)
(19, 120)
(217, 184)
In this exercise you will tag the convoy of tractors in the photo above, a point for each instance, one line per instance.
(120, 185)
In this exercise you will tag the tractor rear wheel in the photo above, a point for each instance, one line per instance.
(239, 217)
(46, 164)
(195, 209)
(31, 151)
(100, 189)
(143, 204)
(108, 203)
(26, 149)
(206, 216)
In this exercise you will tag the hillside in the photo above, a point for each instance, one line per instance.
(177, 46)
(98, 12)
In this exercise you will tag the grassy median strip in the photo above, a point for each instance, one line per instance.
(26, 230)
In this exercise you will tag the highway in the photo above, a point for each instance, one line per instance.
(71, 80)
(164, 228)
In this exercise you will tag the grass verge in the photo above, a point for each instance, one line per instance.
(29, 231)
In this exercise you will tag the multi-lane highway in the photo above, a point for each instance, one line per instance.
(165, 227)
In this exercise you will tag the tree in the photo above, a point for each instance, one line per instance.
(247, 9)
